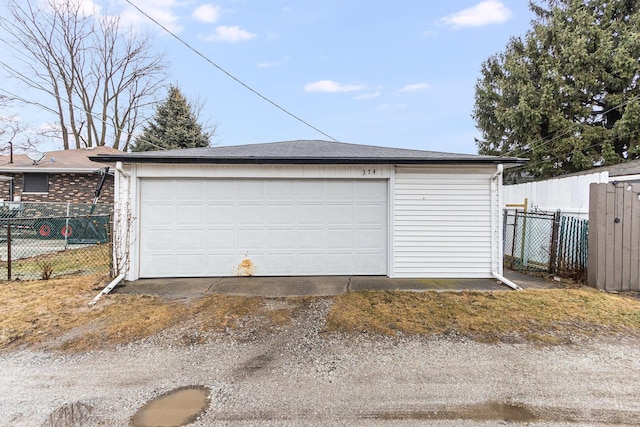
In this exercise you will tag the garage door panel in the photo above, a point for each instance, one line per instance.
(370, 239)
(367, 190)
(370, 214)
(282, 239)
(164, 240)
(281, 214)
(209, 227)
(193, 214)
(310, 239)
(339, 214)
(310, 214)
(309, 190)
(191, 240)
(165, 265)
(285, 191)
(368, 261)
(192, 262)
(223, 191)
(252, 239)
(339, 238)
(250, 213)
(192, 191)
(160, 214)
(249, 190)
(228, 260)
(341, 190)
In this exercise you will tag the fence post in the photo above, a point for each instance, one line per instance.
(553, 253)
(513, 240)
(66, 228)
(8, 249)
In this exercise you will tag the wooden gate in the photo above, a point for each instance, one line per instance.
(614, 236)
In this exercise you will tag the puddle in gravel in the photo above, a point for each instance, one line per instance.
(173, 409)
(486, 411)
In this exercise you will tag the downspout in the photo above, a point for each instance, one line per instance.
(495, 255)
(108, 288)
(122, 171)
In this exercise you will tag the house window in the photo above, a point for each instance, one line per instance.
(35, 183)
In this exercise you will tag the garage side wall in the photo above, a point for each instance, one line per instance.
(442, 222)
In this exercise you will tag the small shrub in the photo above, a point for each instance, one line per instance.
(47, 269)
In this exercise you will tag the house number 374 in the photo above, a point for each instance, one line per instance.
(368, 171)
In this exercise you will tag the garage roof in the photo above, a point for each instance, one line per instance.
(302, 152)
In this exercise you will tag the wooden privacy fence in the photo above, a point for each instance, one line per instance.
(614, 236)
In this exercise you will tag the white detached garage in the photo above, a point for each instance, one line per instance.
(306, 208)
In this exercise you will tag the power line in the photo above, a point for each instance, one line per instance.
(237, 80)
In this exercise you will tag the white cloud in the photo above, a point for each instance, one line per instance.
(368, 95)
(415, 87)
(484, 13)
(207, 13)
(160, 10)
(274, 64)
(88, 7)
(332, 87)
(85, 7)
(230, 34)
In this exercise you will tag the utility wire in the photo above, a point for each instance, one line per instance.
(237, 80)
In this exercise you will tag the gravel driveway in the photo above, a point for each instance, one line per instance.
(300, 377)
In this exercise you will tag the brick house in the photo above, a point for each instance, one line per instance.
(60, 176)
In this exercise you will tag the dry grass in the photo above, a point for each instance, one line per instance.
(550, 316)
(54, 314)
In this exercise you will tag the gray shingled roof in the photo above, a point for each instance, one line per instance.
(301, 152)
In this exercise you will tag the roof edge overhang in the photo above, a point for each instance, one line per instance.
(51, 170)
(306, 161)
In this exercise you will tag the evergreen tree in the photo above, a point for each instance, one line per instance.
(567, 94)
(173, 126)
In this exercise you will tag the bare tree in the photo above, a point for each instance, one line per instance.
(11, 126)
(97, 75)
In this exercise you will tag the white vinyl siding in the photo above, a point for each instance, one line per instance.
(442, 222)
(263, 227)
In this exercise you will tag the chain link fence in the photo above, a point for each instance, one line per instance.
(46, 240)
(552, 243)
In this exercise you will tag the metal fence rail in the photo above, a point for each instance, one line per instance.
(45, 240)
(552, 243)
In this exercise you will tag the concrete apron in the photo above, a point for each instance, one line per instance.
(315, 285)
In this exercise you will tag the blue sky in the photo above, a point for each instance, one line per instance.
(398, 74)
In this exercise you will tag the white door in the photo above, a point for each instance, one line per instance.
(262, 227)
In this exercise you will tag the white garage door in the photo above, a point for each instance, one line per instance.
(272, 227)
